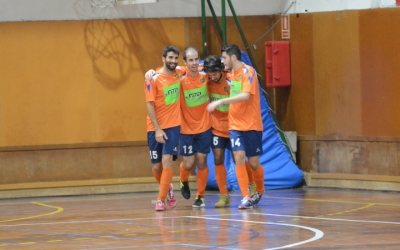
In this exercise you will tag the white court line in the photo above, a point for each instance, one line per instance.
(85, 221)
(211, 215)
(318, 233)
(331, 219)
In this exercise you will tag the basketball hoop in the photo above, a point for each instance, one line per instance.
(103, 3)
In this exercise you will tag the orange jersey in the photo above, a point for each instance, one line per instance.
(164, 91)
(245, 115)
(219, 117)
(194, 101)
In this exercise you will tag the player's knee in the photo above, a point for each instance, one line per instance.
(254, 162)
(218, 160)
(202, 162)
(202, 166)
(157, 167)
(188, 162)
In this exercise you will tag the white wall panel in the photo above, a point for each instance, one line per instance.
(35, 10)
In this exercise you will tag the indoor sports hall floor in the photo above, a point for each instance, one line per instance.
(304, 218)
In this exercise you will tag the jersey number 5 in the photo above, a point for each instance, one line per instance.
(215, 140)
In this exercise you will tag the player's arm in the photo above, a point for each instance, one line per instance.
(248, 84)
(160, 134)
(149, 74)
(234, 99)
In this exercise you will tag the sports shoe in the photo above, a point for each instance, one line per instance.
(256, 197)
(246, 203)
(253, 187)
(199, 202)
(224, 200)
(160, 205)
(185, 190)
(171, 200)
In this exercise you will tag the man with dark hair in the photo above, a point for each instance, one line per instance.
(162, 92)
(245, 123)
(219, 88)
(195, 134)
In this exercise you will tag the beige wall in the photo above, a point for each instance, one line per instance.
(380, 77)
(78, 81)
(81, 81)
(77, 85)
(72, 106)
(344, 95)
(345, 76)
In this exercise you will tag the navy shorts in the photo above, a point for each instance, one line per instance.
(220, 142)
(248, 141)
(170, 146)
(191, 144)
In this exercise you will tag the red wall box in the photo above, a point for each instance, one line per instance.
(277, 64)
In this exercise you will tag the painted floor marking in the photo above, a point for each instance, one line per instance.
(332, 219)
(211, 215)
(27, 243)
(52, 241)
(334, 201)
(58, 210)
(318, 233)
(337, 213)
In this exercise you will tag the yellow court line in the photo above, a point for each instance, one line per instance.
(349, 211)
(337, 201)
(27, 243)
(59, 210)
(51, 241)
(336, 213)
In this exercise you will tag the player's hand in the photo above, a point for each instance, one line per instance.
(161, 136)
(149, 74)
(213, 105)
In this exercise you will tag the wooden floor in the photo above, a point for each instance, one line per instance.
(304, 218)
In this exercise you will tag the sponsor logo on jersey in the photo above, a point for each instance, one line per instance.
(172, 91)
(192, 95)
